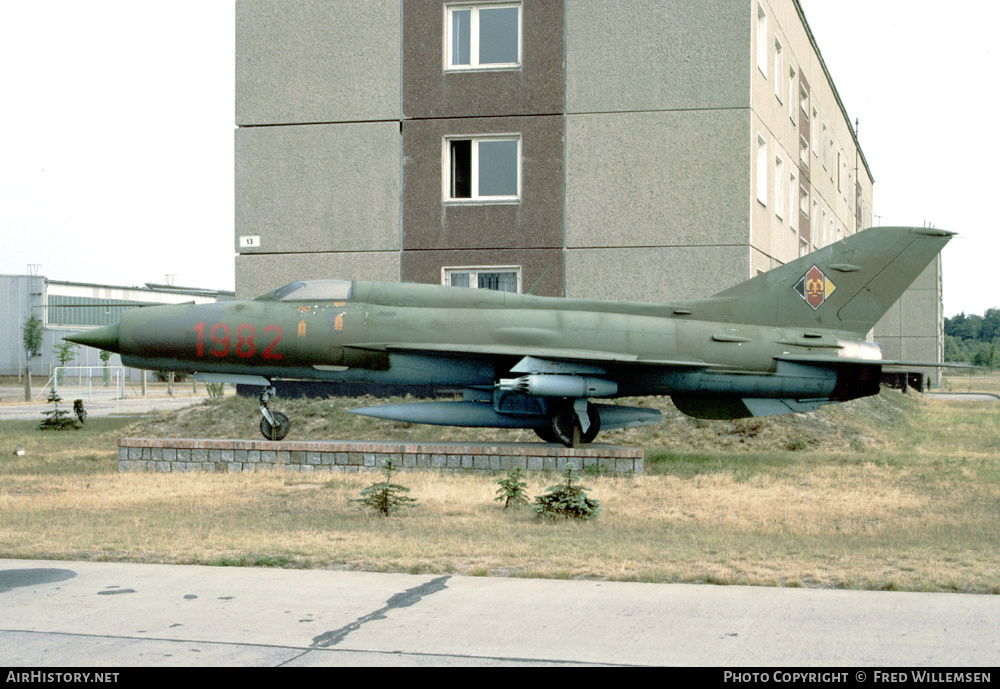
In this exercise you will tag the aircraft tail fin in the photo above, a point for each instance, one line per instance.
(848, 285)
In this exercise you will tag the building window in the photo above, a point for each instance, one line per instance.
(486, 36)
(779, 187)
(503, 279)
(483, 168)
(804, 151)
(779, 68)
(792, 192)
(815, 132)
(793, 90)
(826, 137)
(762, 169)
(762, 40)
(804, 201)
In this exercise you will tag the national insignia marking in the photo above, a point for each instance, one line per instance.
(815, 287)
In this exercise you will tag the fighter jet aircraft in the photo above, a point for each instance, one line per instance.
(789, 340)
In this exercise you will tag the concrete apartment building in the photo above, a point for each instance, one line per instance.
(648, 150)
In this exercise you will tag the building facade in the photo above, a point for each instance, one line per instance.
(67, 308)
(647, 150)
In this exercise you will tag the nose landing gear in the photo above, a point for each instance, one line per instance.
(273, 425)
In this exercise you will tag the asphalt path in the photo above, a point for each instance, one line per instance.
(114, 615)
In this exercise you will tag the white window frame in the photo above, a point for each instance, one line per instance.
(826, 147)
(814, 131)
(762, 40)
(793, 91)
(473, 271)
(779, 187)
(793, 206)
(763, 162)
(474, 56)
(779, 68)
(476, 197)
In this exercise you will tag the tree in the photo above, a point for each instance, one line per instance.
(65, 353)
(990, 328)
(386, 497)
(32, 338)
(105, 357)
(32, 335)
(567, 500)
(512, 488)
(57, 419)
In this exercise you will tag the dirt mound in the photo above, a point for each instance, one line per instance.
(855, 425)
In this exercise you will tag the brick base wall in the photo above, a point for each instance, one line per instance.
(177, 455)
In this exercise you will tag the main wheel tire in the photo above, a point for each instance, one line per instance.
(280, 428)
(546, 434)
(565, 427)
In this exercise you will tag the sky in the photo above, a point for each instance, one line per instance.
(117, 120)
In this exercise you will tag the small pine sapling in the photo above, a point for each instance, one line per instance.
(567, 500)
(386, 497)
(512, 488)
(57, 419)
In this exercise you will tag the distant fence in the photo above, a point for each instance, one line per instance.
(89, 382)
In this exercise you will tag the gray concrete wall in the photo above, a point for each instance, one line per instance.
(535, 88)
(535, 220)
(636, 55)
(544, 266)
(303, 61)
(653, 274)
(318, 188)
(657, 179)
(257, 274)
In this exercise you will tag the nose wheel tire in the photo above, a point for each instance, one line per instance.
(278, 430)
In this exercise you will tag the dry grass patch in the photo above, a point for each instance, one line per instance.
(889, 493)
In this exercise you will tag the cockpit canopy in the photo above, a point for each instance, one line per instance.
(314, 290)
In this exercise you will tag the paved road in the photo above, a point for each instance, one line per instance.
(963, 396)
(110, 615)
(101, 407)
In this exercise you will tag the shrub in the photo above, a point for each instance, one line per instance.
(567, 500)
(512, 488)
(57, 419)
(386, 497)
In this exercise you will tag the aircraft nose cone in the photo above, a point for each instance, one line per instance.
(102, 338)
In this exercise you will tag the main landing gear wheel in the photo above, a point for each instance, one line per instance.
(564, 426)
(278, 430)
(273, 425)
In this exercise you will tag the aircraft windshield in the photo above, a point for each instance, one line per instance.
(315, 290)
